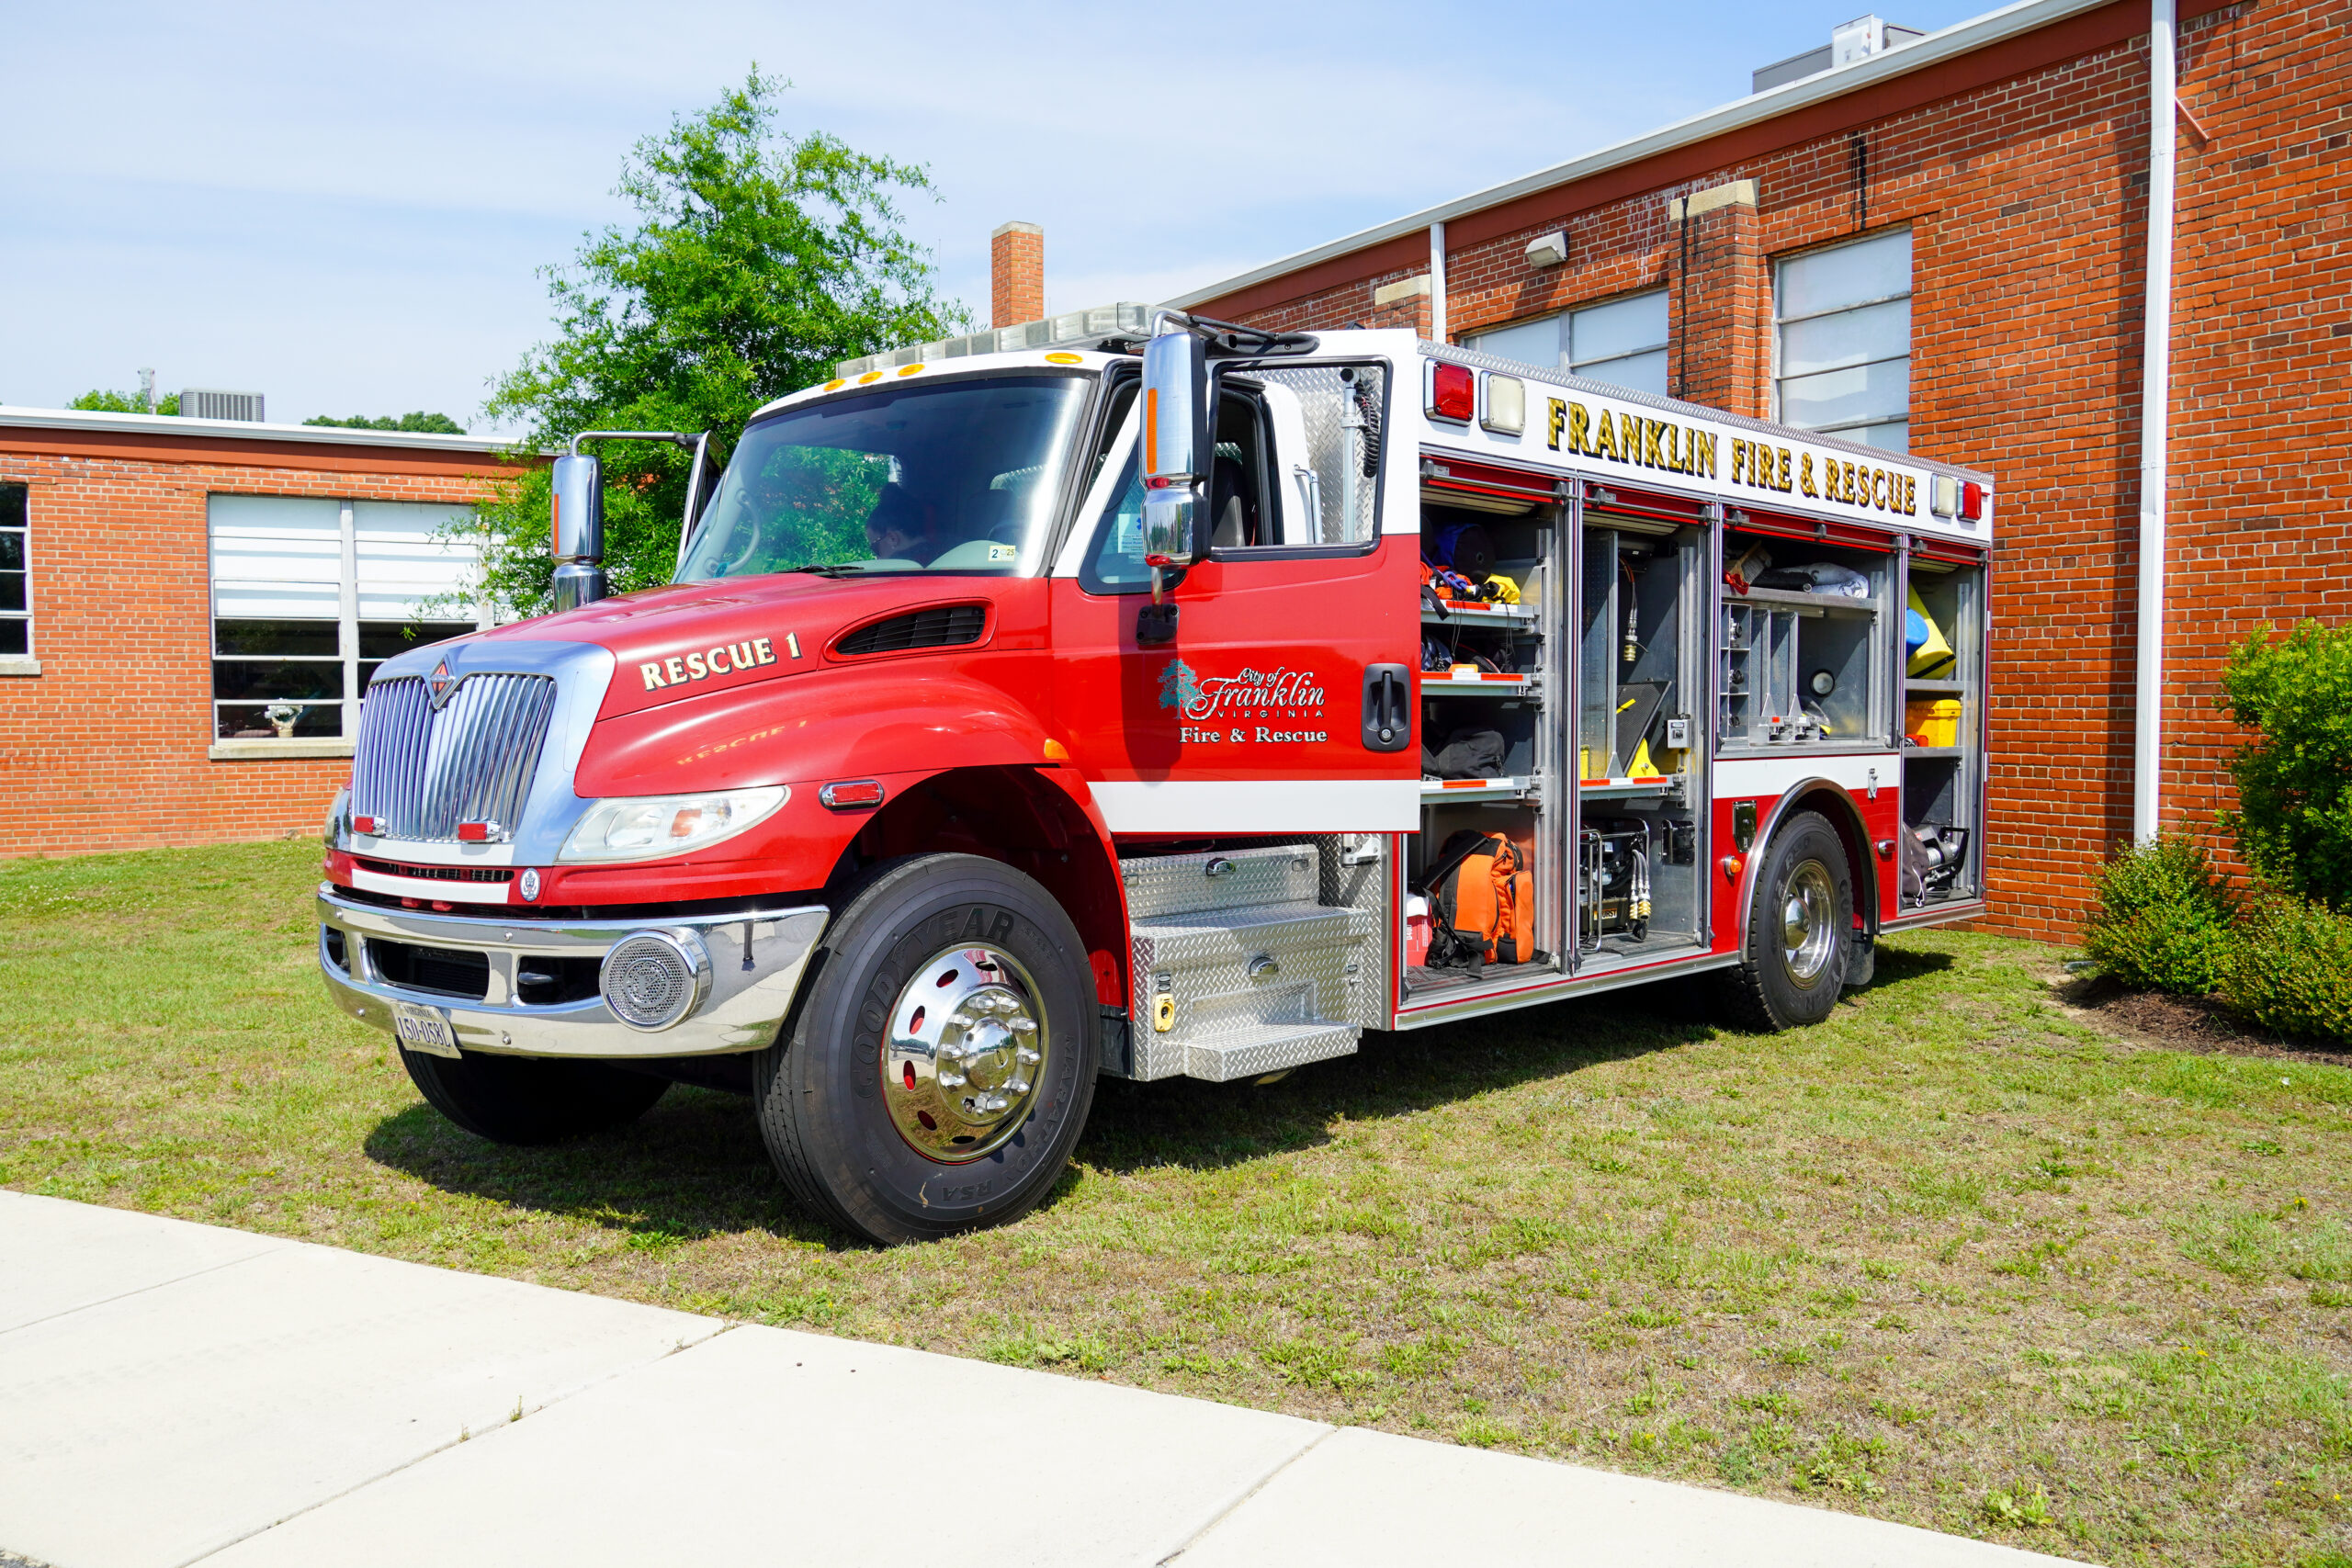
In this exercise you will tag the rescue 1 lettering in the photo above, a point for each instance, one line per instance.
(679, 669)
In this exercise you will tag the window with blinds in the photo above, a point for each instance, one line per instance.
(16, 574)
(1843, 321)
(1621, 341)
(309, 595)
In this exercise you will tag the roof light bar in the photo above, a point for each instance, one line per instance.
(1125, 319)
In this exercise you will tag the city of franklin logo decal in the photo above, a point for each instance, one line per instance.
(438, 684)
(1178, 687)
(1253, 694)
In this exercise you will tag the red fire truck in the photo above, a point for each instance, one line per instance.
(1177, 703)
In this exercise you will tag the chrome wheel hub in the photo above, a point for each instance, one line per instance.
(1808, 922)
(966, 1049)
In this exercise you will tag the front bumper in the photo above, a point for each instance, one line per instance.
(756, 960)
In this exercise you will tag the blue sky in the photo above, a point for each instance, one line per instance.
(345, 207)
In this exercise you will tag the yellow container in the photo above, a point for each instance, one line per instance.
(1935, 720)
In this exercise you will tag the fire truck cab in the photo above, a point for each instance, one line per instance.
(1187, 704)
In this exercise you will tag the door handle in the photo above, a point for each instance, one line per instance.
(1388, 707)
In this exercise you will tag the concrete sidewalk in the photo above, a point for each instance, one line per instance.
(174, 1394)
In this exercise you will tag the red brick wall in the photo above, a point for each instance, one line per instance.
(106, 749)
(2026, 192)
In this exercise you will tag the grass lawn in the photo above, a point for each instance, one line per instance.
(1956, 1258)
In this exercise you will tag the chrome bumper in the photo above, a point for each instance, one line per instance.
(756, 961)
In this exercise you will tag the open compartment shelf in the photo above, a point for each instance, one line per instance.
(1435, 790)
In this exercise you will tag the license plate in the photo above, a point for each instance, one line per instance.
(425, 1029)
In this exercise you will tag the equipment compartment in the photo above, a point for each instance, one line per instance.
(1802, 660)
(1942, 650)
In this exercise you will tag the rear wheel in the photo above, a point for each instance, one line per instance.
(942, 1064)
(532, 1100)
(1800, 921)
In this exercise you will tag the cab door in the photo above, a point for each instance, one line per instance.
(1300, 627)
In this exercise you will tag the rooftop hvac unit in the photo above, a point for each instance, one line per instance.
(1848, 43)
(210, 402)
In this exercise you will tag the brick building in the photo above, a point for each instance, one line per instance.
(1942, 244)
(188, 608)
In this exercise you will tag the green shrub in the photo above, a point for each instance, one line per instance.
(2290, 968)
(2162, 919)
(2293, 819)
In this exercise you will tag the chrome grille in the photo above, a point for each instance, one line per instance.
(422, 772)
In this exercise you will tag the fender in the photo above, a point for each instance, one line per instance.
(1845, 814)
(1041, 821)
(856, 722)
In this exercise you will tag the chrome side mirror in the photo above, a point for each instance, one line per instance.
(1176, 447)
(578, 531)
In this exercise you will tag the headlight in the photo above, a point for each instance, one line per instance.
(334, 815)
(655, 827)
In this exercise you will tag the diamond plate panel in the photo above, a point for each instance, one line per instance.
(1321, 959)
(1162, 886)
(1352, 874)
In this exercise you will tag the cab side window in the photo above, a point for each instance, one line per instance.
(1304, 444)
(1296, 467)
(1238, 491)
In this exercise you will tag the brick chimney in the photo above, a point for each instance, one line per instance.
(1016, 274)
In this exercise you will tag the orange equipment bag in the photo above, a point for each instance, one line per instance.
(1482, 903)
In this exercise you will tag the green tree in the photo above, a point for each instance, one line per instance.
(421, 422)
(2294, 776)
(124, 402)
(757, 261)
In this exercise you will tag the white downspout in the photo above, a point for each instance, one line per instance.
(1437, 282)
(2156, 413)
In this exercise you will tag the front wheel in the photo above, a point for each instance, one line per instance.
(1799, 920)
(941, 1068)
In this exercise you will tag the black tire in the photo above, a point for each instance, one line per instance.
(824, 1109)
(1776, 986)
(532, 1100)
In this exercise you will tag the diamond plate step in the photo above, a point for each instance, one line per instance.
(1270, 1048)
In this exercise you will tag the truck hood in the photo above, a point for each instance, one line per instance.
(689, 639)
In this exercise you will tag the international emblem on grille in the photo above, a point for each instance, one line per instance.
(436, 752)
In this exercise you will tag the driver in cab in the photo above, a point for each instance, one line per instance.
(902, 528)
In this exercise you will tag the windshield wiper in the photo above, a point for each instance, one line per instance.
(825, 571)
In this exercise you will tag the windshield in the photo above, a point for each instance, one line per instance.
(946, 476)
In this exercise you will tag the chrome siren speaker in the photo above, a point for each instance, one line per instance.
(653, 979)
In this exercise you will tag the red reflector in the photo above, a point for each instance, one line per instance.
(1972, 499)
(1454, 392)
(364, 825)
(476, 832)
(851, 793)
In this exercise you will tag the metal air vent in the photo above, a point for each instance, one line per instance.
(942, 625)
(208, 402)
